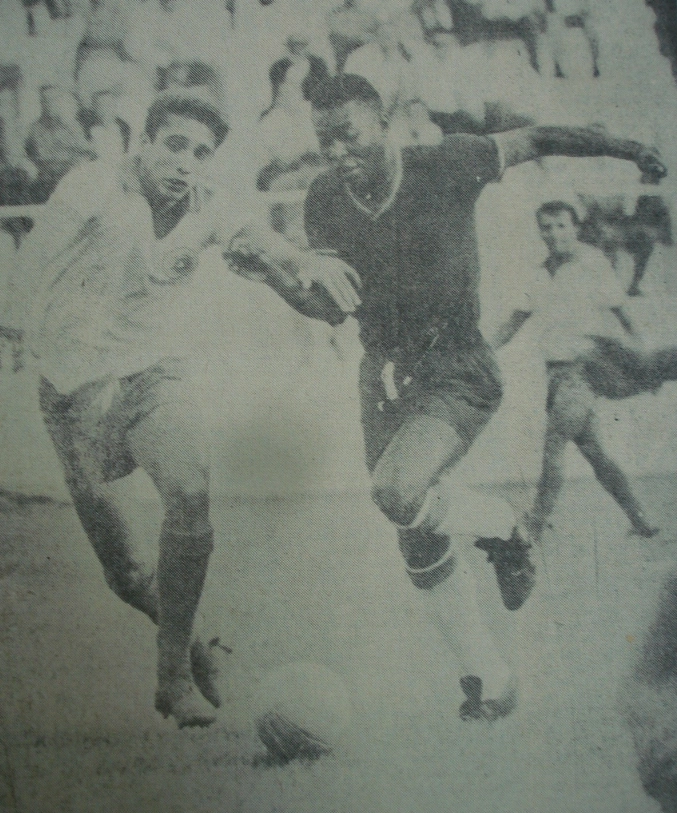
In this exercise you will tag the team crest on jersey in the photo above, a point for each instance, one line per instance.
(176, 266)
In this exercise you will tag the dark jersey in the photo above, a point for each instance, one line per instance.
(418, 258)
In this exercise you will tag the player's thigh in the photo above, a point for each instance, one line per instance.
(77, 447)
(439, 428)
(380, 418)
(589, 439)
(570, 406)
(420, 449)
(171, 445)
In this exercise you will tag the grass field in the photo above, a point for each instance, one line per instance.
(319, 578)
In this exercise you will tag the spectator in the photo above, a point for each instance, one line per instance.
(387, 65)
(410, 124)
(571, 24)
(651, 227)
(56, 141)
(12, 138)
(290, 149)
(290, 152)
(433, 15)
(58, 9)
(192, 75)
(443, 78)
(349, 27)
(299, 69)
(481, 87)
(107, 23)
(110, 134)
(503, 20)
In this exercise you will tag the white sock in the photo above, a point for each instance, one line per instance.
(467, 512)
(452, 606)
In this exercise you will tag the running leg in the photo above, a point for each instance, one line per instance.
(171, 448)
(612, 478)
(550, 482)
(406, 486)
(99, 509)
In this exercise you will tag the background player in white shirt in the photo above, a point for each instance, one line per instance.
(577, 296)
(116, 302)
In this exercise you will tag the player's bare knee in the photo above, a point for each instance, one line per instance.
(400, 508)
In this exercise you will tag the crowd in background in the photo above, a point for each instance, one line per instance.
(79, 74)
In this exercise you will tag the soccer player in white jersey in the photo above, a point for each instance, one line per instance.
(575, 297)
(114, 321)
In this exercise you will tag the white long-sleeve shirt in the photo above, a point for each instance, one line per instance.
(573, 304)
(103, 297)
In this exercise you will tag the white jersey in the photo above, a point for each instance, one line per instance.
(574, 304)
(106, 297)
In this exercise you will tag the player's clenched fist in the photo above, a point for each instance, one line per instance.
(651, 164)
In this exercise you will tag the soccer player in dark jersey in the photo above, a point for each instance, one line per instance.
(405, 221)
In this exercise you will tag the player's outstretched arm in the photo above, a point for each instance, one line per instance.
(529, 143)
(316, 284)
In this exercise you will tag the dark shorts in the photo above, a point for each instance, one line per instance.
(463, 390)
(89, 427)
(615, 371)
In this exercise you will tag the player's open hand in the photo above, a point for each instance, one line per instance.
(338, 278)
(651, 165)
(11, 342)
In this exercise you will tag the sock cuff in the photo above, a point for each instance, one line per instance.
(425, 578)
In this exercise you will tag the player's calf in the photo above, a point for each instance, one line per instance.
(447, 591)
(182, 567)
(135, 585)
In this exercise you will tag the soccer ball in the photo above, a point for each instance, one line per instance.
(301, 710)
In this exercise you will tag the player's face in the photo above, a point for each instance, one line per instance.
(559, 233)
(177, 156)
(353, 138)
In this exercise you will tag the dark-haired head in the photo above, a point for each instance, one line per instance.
(556, 207)
(181, 136)
(352, 131)
(559, 226)
(190, 107)
(335, 91)
(317, 73)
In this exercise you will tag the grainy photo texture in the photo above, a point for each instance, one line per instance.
(338, 348)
